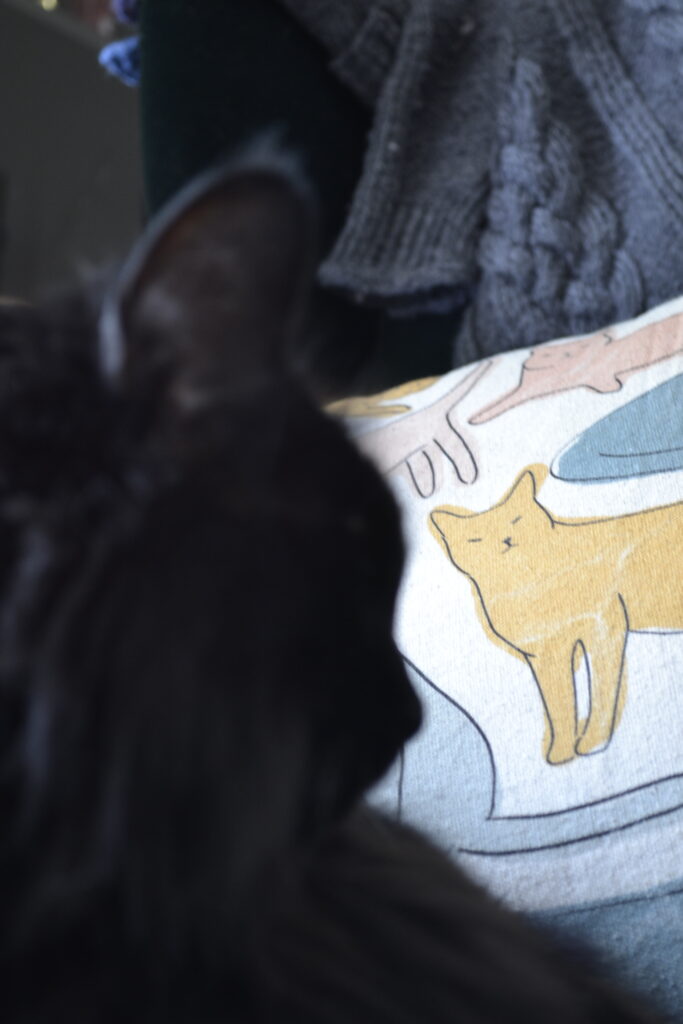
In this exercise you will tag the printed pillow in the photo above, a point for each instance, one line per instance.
(541, 619)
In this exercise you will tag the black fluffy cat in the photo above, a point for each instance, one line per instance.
(198, 679)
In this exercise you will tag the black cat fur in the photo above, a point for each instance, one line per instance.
(199, 682)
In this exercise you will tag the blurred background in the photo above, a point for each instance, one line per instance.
(70, 178)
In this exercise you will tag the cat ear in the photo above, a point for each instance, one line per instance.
(448, 527)
(523, 491)
(441, 519)
(214, 293)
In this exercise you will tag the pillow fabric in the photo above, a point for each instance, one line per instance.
(541, 620)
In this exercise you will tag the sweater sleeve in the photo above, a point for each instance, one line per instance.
(361, 38)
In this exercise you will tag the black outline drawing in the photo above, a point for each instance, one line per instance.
(424, 460)
(626, 355)
(530, 656)
(509, 834)
(666, 408)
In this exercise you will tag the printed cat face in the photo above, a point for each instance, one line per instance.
(499, 539)
(567, 355)
(198, 570)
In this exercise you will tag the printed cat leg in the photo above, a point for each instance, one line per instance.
(429, 443)
(607, 651)
(550, 588)
(552, 670)
(446, 450)
(524, 391)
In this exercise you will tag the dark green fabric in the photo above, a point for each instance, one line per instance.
(214, 74)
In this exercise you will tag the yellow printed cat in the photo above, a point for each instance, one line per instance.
(556, 591)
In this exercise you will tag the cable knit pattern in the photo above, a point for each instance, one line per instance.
(551, 257)
(656, 7)
(665, 21)
(558, 207)
(635, 129)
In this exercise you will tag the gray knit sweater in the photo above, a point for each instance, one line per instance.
(530, 150)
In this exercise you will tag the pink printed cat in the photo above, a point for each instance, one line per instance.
(599, 362)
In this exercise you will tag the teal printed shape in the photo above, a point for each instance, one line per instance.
(643, 437)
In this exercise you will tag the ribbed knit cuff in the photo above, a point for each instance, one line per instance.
(633, 127)
(400, 250)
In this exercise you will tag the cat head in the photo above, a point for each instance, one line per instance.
(581, 361)
(496, 541)
(197, 581)
(563, 356)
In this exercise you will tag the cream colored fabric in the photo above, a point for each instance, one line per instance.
(541, 617)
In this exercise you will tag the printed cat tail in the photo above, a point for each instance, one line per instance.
(214, 294)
